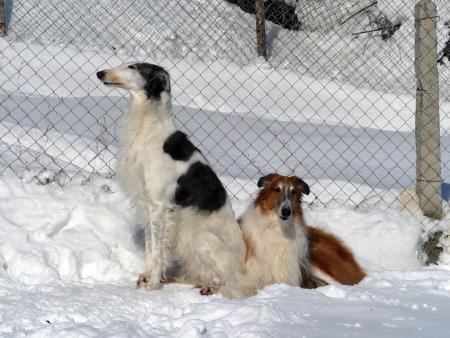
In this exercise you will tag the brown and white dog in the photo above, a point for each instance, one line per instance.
(281, 248)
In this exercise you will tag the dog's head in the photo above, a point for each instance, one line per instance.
(281, 194)
(138, 77)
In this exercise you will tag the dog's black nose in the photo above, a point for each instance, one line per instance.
(101, 75)
(285, 212)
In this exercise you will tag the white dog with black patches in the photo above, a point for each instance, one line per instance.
(191, 234)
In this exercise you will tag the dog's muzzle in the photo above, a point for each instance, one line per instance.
(284, 209)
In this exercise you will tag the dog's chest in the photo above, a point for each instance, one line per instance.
(278, 256)
(145, 166)
(279, 249)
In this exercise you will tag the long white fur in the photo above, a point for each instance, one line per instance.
(280, 248)
(322, 275)
(209, 247)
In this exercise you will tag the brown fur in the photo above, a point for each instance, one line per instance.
(267, 197)
(277, 246)
(326, 251)
(330, 255)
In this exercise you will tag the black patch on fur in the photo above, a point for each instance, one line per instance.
(304, 187)
(179, 147)
(157, 79)
(201, 188)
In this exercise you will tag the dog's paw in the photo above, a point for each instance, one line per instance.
(152, 286)
(145, 282)
(208, 290)
(142, 280)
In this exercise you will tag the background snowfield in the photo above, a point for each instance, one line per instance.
(70, 251)
(344, 132)
(207, 30)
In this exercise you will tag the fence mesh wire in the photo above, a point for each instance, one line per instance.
(334, 103)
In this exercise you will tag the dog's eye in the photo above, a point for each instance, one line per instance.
(132, 66)
(277, 189)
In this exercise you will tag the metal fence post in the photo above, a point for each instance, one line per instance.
(2, 19)
(261, 45)
(427, 111)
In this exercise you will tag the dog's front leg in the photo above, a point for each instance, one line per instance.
(154, 254)
(144, 278)
(161, 235)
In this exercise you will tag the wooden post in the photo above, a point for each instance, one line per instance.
(261, 46)
(428, 148)
(2, 19)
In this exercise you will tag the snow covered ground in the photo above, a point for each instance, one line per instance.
(70, 251)
(69, 257)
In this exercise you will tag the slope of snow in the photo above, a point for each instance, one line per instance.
(213, 30)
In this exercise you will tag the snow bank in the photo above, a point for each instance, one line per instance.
(69, 257)
(76, 233)
(381, 240)
(86, 233)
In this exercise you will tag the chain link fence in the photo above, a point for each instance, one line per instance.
(334, 102)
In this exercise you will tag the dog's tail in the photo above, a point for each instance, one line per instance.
(331, 260)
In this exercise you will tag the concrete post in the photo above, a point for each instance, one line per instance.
(427, 111)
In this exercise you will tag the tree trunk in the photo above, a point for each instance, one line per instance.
(2, 19)
(261, 45)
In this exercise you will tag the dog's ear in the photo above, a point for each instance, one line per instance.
(302, 186)
(263, 181)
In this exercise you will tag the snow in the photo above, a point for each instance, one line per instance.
(209, 31)
(360, 229)
(375, 309)
(81, 232)
(69, 257)
(70, 251)
(363, 136)
(326, 14)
